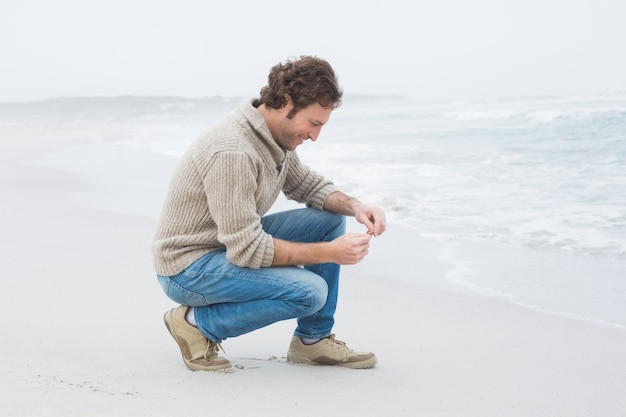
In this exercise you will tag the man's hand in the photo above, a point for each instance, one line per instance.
(372, 217)
(347, 249)
(350, 248)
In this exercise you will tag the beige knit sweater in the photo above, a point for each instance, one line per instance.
(225, 182)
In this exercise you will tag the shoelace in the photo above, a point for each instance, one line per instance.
(339, 342)
(212, 347)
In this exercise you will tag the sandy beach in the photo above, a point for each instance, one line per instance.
(83, 333)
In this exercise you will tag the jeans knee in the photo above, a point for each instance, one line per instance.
(337, 224)
(341, 222)
(315, 297)
(320, 297)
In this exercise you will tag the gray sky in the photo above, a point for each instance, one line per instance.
(428, 50)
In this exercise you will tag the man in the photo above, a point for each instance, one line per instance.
(235, 269)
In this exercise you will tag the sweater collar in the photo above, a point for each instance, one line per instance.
(262, 131)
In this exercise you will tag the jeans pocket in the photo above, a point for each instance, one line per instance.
(180, 294)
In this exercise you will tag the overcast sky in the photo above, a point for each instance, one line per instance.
(428, 50)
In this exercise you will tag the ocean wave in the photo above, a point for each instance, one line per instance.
(123, 108)
(522, 171)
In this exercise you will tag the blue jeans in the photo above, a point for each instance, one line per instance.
(230, 300)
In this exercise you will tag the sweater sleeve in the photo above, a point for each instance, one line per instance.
(230, 186)
(305, 185)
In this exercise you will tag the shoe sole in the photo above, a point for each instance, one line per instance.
(366, 364)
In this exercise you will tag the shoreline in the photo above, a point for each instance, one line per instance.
(117, 185)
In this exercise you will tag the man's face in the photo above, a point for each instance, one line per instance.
(305, 124)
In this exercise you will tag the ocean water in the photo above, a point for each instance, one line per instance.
(525, 196)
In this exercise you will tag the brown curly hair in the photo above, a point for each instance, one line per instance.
(306, 80)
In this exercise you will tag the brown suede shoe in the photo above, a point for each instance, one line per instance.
(329, 351)
(199, 353)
